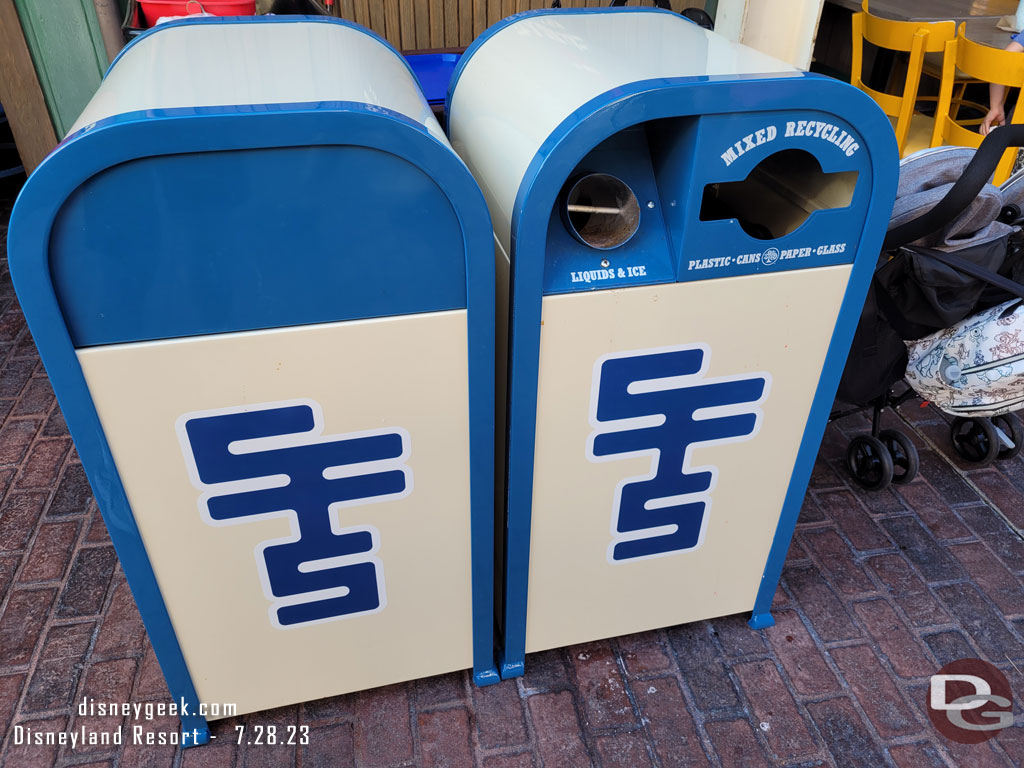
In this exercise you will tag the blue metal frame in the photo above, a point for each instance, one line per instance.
(584, 129)
(132, 136)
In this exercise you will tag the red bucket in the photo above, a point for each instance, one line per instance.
(154, 9)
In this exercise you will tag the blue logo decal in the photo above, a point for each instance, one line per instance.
(273, 461)
(658, 403)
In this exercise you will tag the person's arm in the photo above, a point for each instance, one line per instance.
(997, 94)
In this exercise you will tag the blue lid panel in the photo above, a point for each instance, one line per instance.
(571, 266)
(810, 168)
(720, 196)
(212, 242)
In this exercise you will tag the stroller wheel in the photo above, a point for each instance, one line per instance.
(1011, 429)
(905, 460)
(975, 440)
(869, 462)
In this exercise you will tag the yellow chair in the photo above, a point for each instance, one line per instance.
(985, 63)
(914, 130)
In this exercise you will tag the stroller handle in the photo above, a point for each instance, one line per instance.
(962, 194)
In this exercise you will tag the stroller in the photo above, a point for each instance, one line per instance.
(945, 311)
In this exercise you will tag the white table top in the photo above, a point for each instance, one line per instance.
(934, 10)
(981, 15)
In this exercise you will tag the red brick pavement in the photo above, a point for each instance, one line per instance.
(880, 590)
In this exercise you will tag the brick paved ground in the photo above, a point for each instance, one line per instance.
(879, 591)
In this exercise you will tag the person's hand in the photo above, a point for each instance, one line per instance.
(994, 118)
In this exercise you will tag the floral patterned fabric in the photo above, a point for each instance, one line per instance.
(975, 368)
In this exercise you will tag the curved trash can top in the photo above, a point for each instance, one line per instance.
(226, 61)
(568, 52)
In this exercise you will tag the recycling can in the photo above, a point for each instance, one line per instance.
(686, 232)
(262, 284)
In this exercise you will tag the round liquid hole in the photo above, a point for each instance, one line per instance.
(601, 211)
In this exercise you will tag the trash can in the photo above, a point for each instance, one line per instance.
(686, 231)
(262, 284)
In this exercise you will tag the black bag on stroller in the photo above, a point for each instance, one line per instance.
(878, 356)
(950, 252)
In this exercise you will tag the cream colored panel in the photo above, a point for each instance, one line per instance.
(779, 325)
(404, 374)
(217, 64)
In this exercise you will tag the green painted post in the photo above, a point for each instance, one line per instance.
(64, 39)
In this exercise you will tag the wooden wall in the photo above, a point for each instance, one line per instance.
(21, 93)
(423, 24)
(68, 52)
